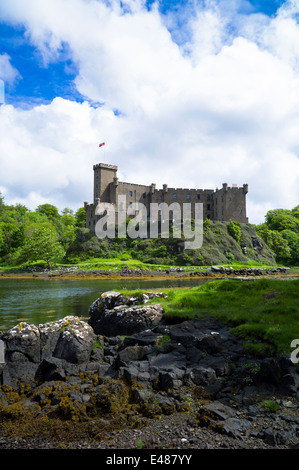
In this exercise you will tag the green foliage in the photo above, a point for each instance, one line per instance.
(207, 224)
(281, 233)
(234, 229)
(81, 217)
(49, 210)
(270, 406)
(230, 257)
(263, 312)
(282, 219)
(18, 225)
(42, 245)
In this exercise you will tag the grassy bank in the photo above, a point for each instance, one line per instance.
(263, 312)
(116, 264)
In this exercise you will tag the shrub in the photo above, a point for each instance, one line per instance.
(234, 229)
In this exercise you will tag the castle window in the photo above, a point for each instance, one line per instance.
(156, 197)
(130, 193)
(174, 196)
(144, 195)
(198, 196)
(208, 207)
(130, 204)
(188, 196)
(208, 197)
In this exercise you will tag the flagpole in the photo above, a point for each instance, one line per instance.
(103, 144)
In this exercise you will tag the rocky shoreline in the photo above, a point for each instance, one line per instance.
(128, 379)
(172, 272)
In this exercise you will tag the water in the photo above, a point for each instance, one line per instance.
(36, 301)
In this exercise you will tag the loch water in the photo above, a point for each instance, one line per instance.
(36, 301)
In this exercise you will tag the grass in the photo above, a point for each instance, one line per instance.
(116, 264)
(261, 311)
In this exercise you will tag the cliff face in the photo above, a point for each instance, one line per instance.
(219, 246)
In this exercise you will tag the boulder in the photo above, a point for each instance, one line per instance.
(123, 320)
(48, 351)
(116, 314)
(202, 376)
(75, 343)
(23, 339)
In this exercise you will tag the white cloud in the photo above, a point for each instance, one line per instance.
(8, 73)
(223, 106)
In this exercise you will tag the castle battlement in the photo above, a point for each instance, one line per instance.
(224, 204)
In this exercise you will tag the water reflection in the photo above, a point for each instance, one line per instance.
(40, 300)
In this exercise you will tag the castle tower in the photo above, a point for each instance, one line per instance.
(105, 183)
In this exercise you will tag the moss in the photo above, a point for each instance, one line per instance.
(59, 415)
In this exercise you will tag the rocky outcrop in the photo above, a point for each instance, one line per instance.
(116, 314)
(148, 372)
(50, 350)
(200, 352)
(248, 272)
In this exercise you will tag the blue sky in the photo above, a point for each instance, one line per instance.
(41, 83)
(190, 93)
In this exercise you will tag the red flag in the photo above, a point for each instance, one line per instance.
(101, 145)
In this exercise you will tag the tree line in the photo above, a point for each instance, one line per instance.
(45, 234)
(280, 231)
(42, 234)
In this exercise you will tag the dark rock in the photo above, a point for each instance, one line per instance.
(171, 379)
(123, 320)
(49, 371)
(25, 339)
(131, 353)
(273, 438)
(202, 376)
(233, 427)
(216, 411)
(269, 373)
(75, 343)
(144, 338)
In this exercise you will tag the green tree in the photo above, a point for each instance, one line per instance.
(67, 211)
(67, 229)
(2, 205)
(292, 239)
(295, 211)
(43, 244)
(12, 236)
(49, 210)
(282, 219)
(81, 217)
(276, 243)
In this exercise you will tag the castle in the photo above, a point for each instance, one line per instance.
(227, 203)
